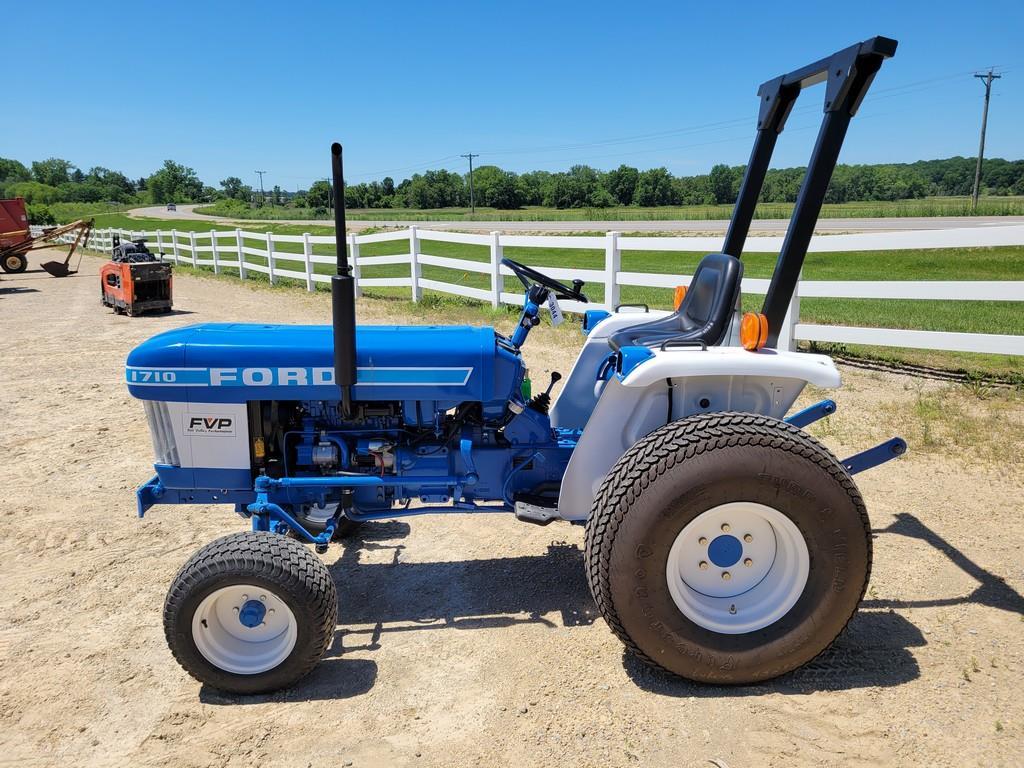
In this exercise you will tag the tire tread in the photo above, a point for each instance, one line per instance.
(276, 558)
(660, 451)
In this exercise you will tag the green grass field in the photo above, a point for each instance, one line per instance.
(1002, 263)
(929, 206)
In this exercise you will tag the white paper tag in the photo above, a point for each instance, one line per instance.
(555, 310)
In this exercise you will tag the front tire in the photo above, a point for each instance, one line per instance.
(728, 548)
(250, 613)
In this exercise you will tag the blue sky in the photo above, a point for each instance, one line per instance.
(228, 88)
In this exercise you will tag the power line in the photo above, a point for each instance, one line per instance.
(895, 91)
(472, 197)
(414, 166)
(987, 78)
(263, 196)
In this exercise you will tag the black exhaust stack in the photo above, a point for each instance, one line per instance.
(343, 294)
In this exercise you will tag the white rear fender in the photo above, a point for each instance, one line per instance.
(734, 362)
(634, 403)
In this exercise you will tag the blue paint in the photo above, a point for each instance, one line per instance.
(725, 551)
(186, 478)
(236, 362)
(872, 457)
(155, 492)
(252, 613)
(526, 323)
(812, 413)
(267, 516)
(591, 319)
(628, 358)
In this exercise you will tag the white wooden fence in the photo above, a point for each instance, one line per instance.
(228, 249)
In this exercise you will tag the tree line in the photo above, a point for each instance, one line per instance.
(585, 187)
(54, 180)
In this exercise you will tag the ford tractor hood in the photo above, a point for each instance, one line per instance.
(235, 362)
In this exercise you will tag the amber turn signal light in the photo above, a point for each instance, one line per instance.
(680, 294)
(753, 331)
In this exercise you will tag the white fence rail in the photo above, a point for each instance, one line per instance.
(220, 250)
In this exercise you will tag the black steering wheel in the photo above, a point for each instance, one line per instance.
(530, 277)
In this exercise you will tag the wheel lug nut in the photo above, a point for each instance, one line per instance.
(726, 527)
(703, 565)
(748, 538)
(726, 575)
(244, 598)
(236, 609)
(703, 541)
(748, 562)
(263, 598)
(732, 609)
(270, 611)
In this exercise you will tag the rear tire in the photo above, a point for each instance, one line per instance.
(251, 613)
(728, 548)
(14, 263)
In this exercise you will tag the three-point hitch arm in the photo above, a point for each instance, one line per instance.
(847, 75)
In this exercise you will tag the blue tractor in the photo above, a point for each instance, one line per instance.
(723, 543)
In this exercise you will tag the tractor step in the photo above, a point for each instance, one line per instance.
(532, 513)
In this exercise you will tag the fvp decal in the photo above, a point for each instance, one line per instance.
(209, 425)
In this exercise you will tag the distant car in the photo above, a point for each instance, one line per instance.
(172, 207)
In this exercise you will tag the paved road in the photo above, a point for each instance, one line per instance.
(702, 226)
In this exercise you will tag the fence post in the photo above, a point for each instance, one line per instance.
(497, 282)
(787, 337)
(270, 258)
(160, 244)
(213, 250)
(612, 266)
(192, 246)
(414, 264)
(241, 253)
(353, 257)
(307, 252)
(174, 244)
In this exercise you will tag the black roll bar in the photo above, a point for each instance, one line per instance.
(848, 75)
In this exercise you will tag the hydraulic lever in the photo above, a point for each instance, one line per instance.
(542, 402)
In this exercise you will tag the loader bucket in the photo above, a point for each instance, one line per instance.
(58, 268)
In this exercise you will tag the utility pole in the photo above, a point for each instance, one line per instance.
(263, 196)
(472, 198)
(987, 78)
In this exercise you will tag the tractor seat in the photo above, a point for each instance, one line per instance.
(703, 315)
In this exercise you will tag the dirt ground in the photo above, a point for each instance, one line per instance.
(465, 640)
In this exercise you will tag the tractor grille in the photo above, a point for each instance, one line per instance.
(162, 430)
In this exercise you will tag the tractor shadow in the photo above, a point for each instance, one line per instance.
(873, 651)
(391, 595)
(992, 590)
(332, 678)
(397, 596)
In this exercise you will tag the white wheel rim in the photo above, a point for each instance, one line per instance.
(738, 567)
(244, 629)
